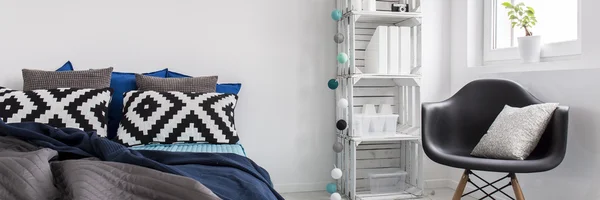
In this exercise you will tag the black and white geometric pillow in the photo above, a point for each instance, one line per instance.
(84, 109)
(177, 117)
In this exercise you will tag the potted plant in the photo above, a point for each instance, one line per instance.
(522, 16)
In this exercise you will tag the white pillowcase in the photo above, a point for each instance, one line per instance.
(515, 133)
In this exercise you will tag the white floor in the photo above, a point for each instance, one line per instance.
(440, 194)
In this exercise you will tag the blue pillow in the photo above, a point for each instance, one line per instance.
(120, 82)
(66, 67)
(227, 88)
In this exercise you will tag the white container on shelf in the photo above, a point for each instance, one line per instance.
(368, 109)
(371, 123)
(390, 124)
(376, 54)
(361, 125)
(357, 4)
(385, 109)
(375, 125)
(369, 5)
(382, 183)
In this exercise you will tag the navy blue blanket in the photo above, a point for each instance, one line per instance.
(229, 176)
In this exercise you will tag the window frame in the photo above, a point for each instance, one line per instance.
(549, 50)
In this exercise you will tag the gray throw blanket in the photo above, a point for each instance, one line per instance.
(28, 172)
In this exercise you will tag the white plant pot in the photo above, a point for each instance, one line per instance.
(530, 48)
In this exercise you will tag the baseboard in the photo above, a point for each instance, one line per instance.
(320, 186)
(301, 187)
(437, 183)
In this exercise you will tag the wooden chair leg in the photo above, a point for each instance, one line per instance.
(516, 187)
(461, 186)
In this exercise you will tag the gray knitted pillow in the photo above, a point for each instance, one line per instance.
(89, 79)
(205, 84)
(515, 133)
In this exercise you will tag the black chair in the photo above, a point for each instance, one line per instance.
(453, 127)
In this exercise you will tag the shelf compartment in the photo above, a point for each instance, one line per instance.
(408, 194)
(383, 157)
(398, 18)
(410, 76)
(399, 80)
(397, 137)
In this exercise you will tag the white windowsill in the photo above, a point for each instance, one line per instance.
(573, 62)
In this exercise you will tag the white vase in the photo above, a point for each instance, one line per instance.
(530, 48)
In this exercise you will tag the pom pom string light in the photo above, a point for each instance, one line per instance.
(342, 58)
(338, 147)
(336, 173)
(335, 196)
(341, 124)
(331, 188)
(342, 103)
(336, 15)
(333, 84)
(338, 38)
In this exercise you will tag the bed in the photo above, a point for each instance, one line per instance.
(38, 161)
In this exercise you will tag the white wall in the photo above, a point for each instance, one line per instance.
(436, 70)
(281, 50)
(577, 176)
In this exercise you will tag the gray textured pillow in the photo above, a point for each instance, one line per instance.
(88, 79)
(204, 84)
(515, 133)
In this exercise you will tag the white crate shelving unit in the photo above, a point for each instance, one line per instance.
(363, 155)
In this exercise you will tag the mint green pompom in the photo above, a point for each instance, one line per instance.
(331, 188)
(342, 58)
(336, 15)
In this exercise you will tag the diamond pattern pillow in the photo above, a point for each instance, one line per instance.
(84, 109)
(177, 117)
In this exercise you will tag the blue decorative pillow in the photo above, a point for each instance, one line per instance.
(227, 88)
(66, 67)
(120, 82)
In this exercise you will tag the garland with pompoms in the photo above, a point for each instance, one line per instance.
(341, 124)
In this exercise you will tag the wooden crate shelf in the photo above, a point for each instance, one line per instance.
(364, 154)
(382, 17)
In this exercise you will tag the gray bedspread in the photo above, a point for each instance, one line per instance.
(29, 172)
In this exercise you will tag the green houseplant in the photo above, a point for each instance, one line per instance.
(523, 17)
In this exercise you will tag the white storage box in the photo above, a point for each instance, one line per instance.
(380, 125)
(387, 182)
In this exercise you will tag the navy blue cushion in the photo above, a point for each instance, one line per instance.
(227, 88)
(66, 67)
(120, 82)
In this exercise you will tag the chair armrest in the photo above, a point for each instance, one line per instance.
(433, 116)
(558, 145)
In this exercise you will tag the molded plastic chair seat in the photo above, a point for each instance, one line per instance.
(462, 159)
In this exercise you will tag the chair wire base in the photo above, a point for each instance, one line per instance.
(488, 184)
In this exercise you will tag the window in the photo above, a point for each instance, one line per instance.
(558, 24)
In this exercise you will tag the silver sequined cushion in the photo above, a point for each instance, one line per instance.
(515, 132)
